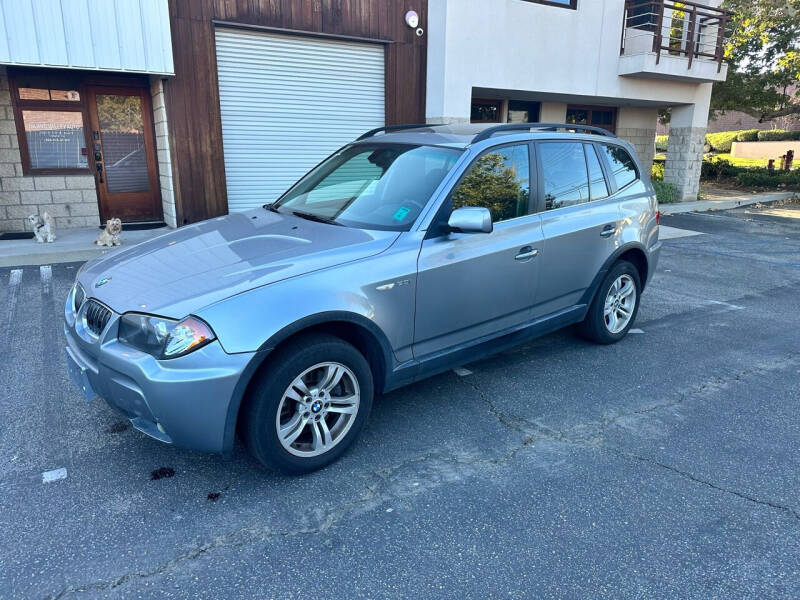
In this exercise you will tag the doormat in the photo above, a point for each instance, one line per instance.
(16, 235)
(139, 226)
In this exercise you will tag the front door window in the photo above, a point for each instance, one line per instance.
(123, 143)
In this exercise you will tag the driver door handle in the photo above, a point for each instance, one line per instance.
(526, 252)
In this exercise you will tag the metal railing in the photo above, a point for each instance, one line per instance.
(676, 28)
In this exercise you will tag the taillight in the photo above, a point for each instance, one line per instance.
(658, 217)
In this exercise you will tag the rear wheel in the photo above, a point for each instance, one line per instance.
(615, 305)
(308, 405)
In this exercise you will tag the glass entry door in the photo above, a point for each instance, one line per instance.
(123, 154)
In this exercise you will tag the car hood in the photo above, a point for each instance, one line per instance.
(182, 271)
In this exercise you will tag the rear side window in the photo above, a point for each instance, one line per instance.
(563, 174)
(499, 180)
(623, 169)
(597, 181)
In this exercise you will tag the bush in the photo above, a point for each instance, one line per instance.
(666, 192)
(763, 178)
(747, 135)
(778, 135)
(718, 169)
(657, 172)
(722, 141)
(661, 143)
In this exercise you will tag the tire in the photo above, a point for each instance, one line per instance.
(597, 326)
(314, 415)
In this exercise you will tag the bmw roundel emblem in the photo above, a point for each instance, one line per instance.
(102, 281)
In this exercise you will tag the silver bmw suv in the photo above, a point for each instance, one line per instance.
(410, 251)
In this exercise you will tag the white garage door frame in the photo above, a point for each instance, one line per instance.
(287, 101)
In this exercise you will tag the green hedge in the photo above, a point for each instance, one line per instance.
(718, 170)
(777, 135)
(661, 143)
(747, 135)
(722, 141)
(763, 178)
(666, 192)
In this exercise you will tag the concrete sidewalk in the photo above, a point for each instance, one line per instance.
(723, 200)
(71, 245)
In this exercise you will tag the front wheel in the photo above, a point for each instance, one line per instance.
(308, 405)
(615, 305)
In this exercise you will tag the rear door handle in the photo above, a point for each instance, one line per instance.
(526, 252)
(608, 230)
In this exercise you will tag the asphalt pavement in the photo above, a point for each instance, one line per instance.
(665, 466)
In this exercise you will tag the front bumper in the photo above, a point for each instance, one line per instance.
(185, 401)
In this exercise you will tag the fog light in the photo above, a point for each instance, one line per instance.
(161, 428)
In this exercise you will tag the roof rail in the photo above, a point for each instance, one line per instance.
(389, 128)
(490, 131)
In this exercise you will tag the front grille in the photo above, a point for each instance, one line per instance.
(96, 317)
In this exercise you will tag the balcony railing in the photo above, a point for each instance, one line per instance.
(687, 29)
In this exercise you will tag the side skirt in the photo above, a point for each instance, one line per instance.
(440, 362)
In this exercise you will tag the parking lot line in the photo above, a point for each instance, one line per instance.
(54, 475)
(46, 275)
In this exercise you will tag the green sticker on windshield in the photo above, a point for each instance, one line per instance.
(401, 213)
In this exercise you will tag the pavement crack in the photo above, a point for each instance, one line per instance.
(686, 475)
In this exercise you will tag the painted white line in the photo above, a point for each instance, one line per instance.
(462, 372)
(726, 304)
(14, 277)
(665, 232)
(54, 475)
(46, 275)
(635, 331)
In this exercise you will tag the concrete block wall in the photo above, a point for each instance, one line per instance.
(163, 151)
(70, 199)
(638, 125)
(684, 160)
(643, 139)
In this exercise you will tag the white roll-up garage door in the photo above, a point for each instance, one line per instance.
(287, 102)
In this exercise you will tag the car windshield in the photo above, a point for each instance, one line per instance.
(381, 186)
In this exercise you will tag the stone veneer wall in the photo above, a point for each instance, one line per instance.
(644, 142)
(163, 151)
(70, 199)
(684, 160)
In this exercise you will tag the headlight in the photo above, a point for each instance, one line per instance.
(164, 338)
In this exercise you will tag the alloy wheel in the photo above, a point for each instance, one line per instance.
(318, 409)
(620, 303)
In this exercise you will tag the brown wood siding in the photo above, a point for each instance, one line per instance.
(192, 96)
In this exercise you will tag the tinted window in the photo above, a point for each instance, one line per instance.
(563, 174)
(623, 169)
(498, 180)
(597, 182)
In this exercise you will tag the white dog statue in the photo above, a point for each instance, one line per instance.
(111, 234)
(44, 228)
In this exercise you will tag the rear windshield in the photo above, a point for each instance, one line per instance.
(381, 186)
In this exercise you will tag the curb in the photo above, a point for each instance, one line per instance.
(712, 205)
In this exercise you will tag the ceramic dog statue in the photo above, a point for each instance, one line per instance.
(44, 228)
(110, 236)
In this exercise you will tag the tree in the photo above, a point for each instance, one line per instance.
(492, 184)
(764, 57)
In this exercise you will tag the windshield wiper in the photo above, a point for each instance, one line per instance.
(313, 217)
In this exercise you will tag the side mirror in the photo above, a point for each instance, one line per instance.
(471, 219)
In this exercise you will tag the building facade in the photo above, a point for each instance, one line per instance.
(177, 111)
(609, 63)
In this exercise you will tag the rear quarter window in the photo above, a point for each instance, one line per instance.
(623, 169)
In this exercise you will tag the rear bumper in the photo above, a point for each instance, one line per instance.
(183, 401)
(652, 260)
